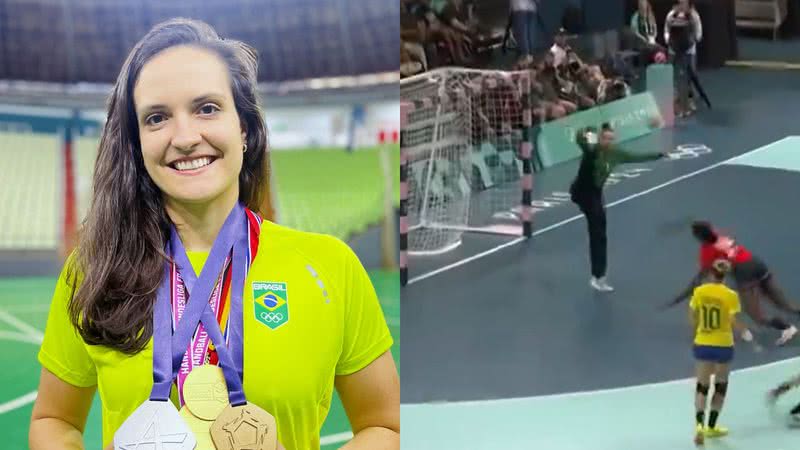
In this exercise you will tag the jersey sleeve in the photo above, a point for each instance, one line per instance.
(735, 305)
(366, 334)
(63, 351)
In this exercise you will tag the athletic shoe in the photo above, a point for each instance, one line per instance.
(786, 335)
(717, 431)
(600, 284)
(699, 437)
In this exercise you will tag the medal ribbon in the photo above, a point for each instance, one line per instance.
(198, 348)
(239, 234)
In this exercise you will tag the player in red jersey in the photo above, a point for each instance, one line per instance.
(753, 278)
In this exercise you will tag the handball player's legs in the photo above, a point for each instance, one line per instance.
(783, 388)
(773, 292)
(752, 305)
(721, 371)
(703, 371)
(592, 207)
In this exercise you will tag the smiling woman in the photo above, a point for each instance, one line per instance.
(175, 304)
(192, 145)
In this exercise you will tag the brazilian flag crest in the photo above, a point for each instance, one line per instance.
(271, 305)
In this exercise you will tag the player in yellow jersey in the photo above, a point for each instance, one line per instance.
(174, 256)
(712, 313)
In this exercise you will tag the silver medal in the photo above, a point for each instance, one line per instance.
(154, 425)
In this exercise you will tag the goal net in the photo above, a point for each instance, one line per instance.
(465, 137)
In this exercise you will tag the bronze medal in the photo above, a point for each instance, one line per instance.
(245, 427)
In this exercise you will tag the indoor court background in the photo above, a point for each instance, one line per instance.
(24, 304)
(506, 345)
(332, 120)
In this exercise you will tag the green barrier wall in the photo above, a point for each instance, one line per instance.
(630, 117)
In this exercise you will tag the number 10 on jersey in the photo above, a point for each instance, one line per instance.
(711, 317)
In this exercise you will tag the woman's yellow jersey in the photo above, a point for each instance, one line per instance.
(715, 306)
(327, 322)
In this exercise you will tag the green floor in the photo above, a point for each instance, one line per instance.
(23, 315)
(314, 185)
(652, 417)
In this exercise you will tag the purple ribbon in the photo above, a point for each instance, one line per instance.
(168, 348)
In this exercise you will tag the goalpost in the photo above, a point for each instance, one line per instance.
(465, 158)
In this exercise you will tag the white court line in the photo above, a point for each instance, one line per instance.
(18, 402)
(20, 337)
(27, 308)
(635, 387)
(20, 325)
(574, 218)
(335, 438)
(34, 336)
(28, 333)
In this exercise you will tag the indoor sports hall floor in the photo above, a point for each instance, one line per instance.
(24, 302)
(505, 339)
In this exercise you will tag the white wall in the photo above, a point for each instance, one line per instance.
(329, 126)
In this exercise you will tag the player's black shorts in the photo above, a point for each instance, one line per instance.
(751, 272)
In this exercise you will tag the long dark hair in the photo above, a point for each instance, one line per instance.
(704, 232)
(118, 264)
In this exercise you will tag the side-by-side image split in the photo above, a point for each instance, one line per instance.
(199, 231)
(597, 224)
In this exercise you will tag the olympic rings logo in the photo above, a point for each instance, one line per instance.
(271, 317)
(689, 151)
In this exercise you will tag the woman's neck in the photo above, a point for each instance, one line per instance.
(199, 224)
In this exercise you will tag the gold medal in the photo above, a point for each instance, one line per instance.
(205, 392)
(245, 427)
(201, 429)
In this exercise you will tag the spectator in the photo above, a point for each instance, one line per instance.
(437, 35)
(413, 35)
(555, 106)
(459, 14)
(644, 31)
(408, 65)
(611, 89)
(643, 23)
(573, 89)
(683, 29)
(525, 21)
(560, 48)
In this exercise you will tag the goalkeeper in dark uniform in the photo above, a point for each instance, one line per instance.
(600, 156)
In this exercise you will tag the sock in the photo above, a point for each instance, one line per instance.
(778, 324)
(700, 417)
(712, 419)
